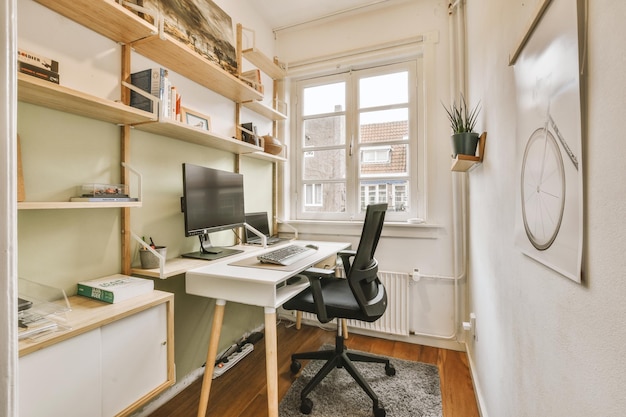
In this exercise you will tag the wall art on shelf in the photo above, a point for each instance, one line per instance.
(200, 24)
(549, 220)
(195, 119)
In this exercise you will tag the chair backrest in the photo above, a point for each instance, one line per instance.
(362, 273)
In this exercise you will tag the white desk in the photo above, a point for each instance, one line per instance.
(254, 285)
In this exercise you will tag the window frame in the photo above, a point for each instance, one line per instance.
(416, 163)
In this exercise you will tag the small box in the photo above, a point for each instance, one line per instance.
(103, 190)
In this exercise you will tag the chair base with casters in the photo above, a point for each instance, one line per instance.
(339, 357)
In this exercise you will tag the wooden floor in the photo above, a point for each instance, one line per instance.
(241, 392)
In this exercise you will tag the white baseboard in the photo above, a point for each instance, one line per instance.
(480, 399)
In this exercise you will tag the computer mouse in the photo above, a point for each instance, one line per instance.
(312, 246)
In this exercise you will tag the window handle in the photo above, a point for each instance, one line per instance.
(351, 145)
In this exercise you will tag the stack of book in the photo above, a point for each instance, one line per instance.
(155, 81)
(37, 66)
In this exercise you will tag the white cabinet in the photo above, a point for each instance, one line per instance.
(62, 380)
(134, 358)
(112, 359)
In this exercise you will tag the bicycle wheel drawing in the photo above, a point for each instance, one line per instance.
(542, 189)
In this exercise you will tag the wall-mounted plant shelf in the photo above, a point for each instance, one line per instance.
(465, 163)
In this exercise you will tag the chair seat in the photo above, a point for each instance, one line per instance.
(338, 300)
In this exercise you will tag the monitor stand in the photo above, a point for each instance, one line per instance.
(209, 252)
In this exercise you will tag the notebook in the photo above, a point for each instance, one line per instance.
(259, 222)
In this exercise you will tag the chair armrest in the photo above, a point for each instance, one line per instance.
(318, 272)
(318, 297)
(345, 256)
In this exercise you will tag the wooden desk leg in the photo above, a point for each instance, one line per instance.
(298, 320)
(271, 362)
(218, 318)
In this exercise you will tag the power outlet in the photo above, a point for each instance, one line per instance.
(473, 333)
(470, 326)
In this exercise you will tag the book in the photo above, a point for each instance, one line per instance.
(152, 81)
(38, 61)
(38, 72)
(104, 199)
(115, 288)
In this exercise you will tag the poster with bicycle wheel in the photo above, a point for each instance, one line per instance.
(549, 220)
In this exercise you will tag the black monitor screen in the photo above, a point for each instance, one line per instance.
(212, 200)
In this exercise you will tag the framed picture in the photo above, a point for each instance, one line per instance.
(195, 119)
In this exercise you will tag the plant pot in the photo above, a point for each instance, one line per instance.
(148, 259)
(464, 143)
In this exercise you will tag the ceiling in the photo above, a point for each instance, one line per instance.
(284, 13)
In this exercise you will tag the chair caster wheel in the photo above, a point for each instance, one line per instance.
(390, 370)
(307, 406)
(295, 367)
(379, 412)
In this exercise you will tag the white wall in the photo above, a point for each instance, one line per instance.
(546, 345)
(429, 249)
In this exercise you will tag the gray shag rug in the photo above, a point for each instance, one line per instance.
(413, 392)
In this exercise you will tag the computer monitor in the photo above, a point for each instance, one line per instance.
(212, 201)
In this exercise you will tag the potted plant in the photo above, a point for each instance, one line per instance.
(462, 120)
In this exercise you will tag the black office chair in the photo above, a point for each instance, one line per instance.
(361, 296)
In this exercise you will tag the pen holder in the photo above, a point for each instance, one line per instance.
(148, 259)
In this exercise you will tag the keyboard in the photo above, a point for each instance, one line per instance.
(286, 256)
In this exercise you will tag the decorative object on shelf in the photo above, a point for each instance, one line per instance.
(199, 24)
(462, 121)
(195, 119)
(248, 134)
(148, 259)
(272, 145)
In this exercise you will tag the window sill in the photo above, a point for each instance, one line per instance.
(348, 228)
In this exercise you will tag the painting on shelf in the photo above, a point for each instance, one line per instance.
(200, 24)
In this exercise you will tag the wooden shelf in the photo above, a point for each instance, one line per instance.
(177, 57)
(264, 110)
(47, 94)
(48, 205)
(186, 133)
(264, 63)
(465, 163)
(87, 314)
(173, 267)
(117, 23)
(266, 156)
(106, 17)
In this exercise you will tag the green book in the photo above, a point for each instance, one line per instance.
(115, 288)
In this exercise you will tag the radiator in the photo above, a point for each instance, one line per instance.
(396, 317)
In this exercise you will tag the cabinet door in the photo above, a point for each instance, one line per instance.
(62, 380)
(134, 358)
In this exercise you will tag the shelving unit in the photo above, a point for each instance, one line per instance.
(465, 163)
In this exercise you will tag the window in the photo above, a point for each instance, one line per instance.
(357, 143)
